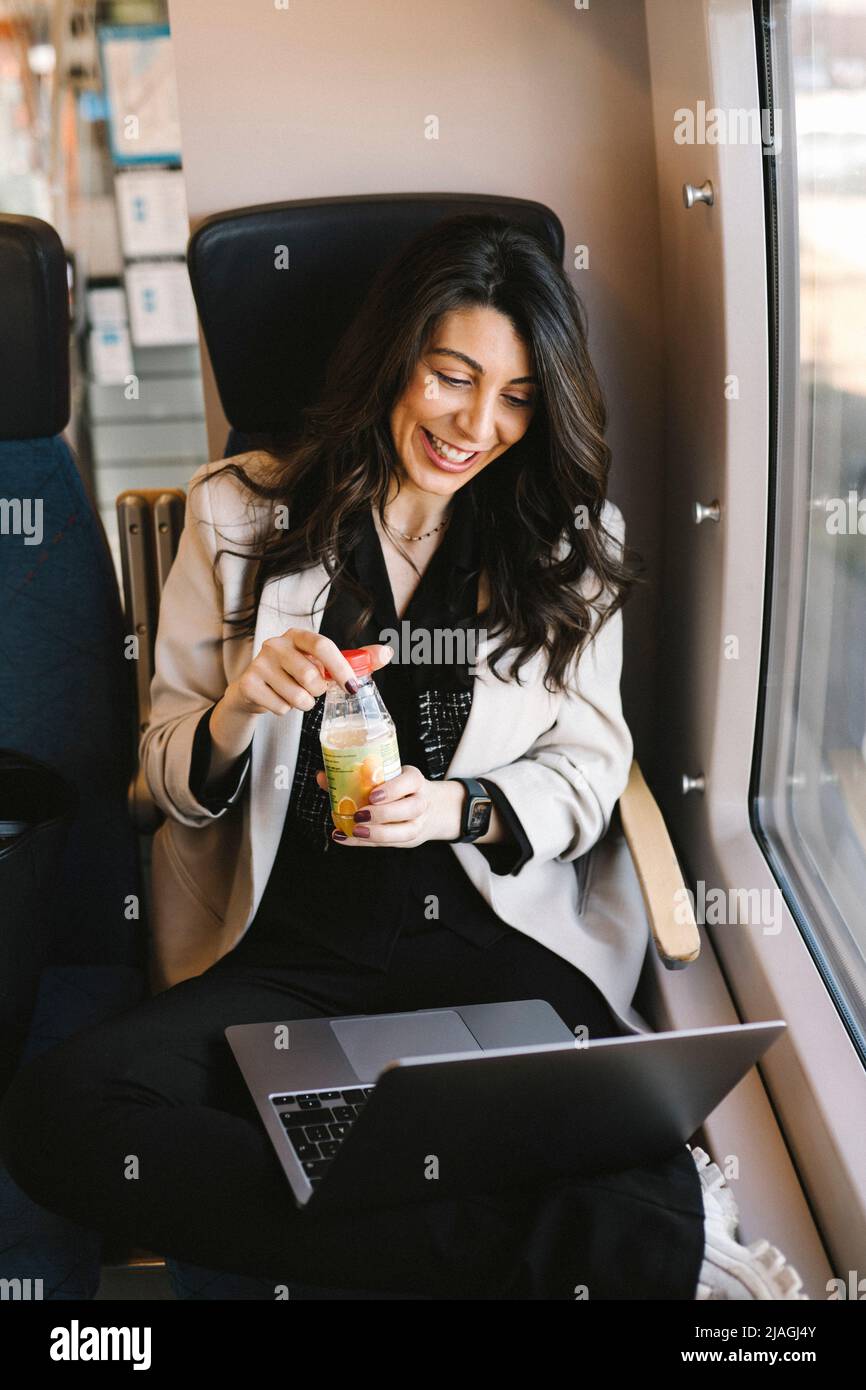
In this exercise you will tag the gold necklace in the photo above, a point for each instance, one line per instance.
(403, 535)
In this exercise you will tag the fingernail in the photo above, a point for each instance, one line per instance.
(363, 815)
(362, 831)
(377, 795)
(352, 687)
(338, 835)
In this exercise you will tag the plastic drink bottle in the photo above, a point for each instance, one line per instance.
(359, 741)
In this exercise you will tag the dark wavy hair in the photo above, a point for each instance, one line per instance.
(525, 501)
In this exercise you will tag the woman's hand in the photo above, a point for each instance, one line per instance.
(286, 674)
(405, 811)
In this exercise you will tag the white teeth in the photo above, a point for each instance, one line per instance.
(452, 455)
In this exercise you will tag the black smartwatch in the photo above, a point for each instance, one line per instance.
(477, 807)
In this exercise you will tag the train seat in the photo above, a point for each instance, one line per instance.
(269, 337)
(70, 714)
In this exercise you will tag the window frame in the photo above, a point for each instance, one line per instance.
(771, 818)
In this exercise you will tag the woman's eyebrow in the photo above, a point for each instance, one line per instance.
(477, 367)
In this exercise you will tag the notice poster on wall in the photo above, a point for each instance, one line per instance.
(109, 342)
(141, 93)
(151, 212)
(161, 306)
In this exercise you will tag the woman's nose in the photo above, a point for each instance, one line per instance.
(477, 421)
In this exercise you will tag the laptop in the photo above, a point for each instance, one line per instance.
(384, 1109)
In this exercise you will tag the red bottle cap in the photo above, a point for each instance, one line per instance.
(359, 660)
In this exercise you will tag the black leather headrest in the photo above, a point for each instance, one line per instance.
(270, 333)
(34, 330)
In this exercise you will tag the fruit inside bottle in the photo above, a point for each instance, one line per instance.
(355, 764)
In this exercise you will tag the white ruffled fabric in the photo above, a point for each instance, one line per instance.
(730, 1270)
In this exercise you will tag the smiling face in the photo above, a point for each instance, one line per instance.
(472, 395)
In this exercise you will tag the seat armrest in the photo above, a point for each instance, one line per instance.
(667, 901)
(150, 521)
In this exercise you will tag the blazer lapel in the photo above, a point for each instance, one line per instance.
(285, 602)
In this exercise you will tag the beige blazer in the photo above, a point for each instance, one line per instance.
(562, 760)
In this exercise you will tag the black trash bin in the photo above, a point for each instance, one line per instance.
(37, 805)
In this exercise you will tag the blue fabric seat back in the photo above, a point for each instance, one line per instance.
(66, 690)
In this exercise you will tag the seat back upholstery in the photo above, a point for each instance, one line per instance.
(277, 285)
(66, 694)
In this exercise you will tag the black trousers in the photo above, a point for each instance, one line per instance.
(155, 1091)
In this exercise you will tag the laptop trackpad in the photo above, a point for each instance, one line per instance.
(371, 1042)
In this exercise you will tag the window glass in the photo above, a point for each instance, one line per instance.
(811, 801)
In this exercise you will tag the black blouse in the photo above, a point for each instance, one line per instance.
(356, 901)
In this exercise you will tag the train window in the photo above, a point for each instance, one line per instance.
(810, 804)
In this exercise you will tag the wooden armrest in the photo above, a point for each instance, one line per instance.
(670, 913)
(150, 521)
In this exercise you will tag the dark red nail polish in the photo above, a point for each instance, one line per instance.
(339, 835)
(363, 815)
(362, 832)
(352, 687)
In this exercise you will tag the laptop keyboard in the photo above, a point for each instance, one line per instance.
(317, 1122)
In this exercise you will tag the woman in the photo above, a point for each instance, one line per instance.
(453, 476)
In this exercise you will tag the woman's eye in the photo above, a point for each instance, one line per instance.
(517, 401)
